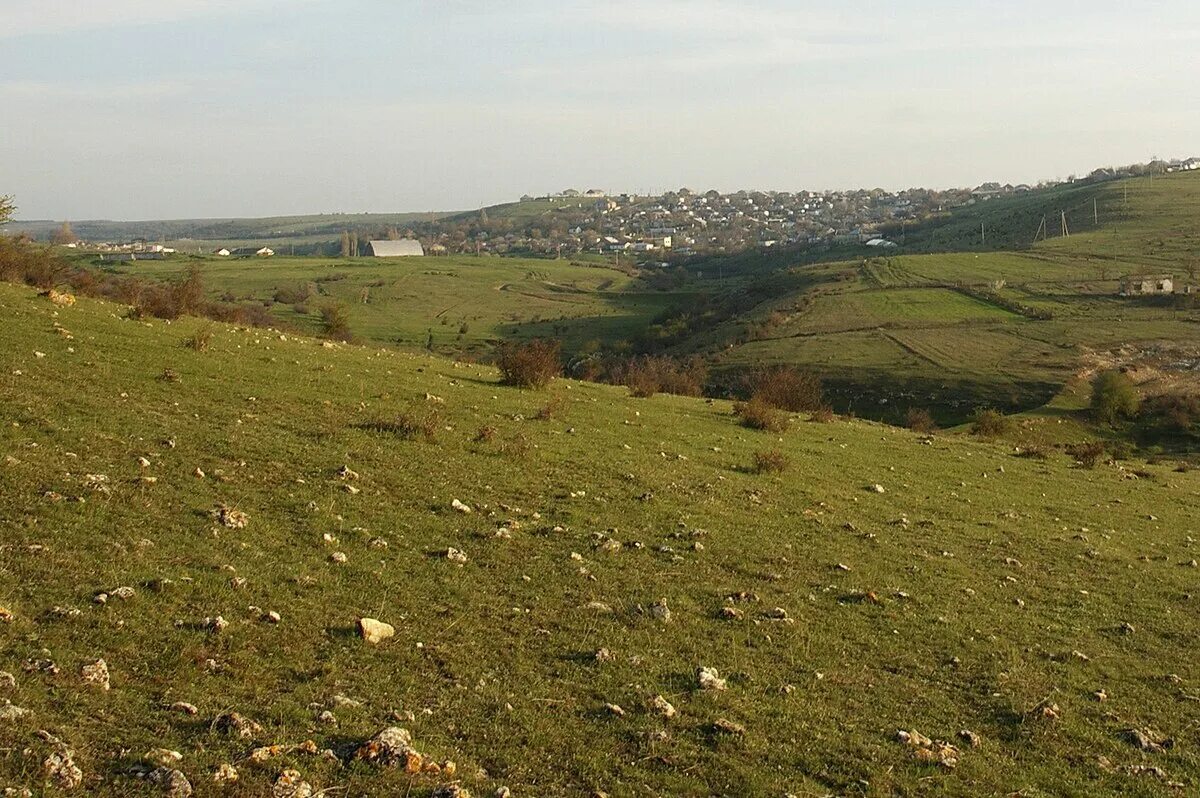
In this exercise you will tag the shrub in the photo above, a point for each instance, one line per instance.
(416, 422)
(1121, 450)
(517, 446)
(646, 376)
(1033, 452)
(918, 419)
(1114, 397)
(787, 388)
(1087, 454)
(200, 339)
(991, 424)
(529, 365)
(771, 461)
(335, 322)
(1171, 413)
(485, 434)
(757, 414)
(822, 415)
(552, 409)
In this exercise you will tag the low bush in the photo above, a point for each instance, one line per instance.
(485, 434)
(335, 322)
(918, 419)
(771, 461)
(822, 415)
(1087, 454)
(757, 414)
(200, 340)
(787, 388)
(529, 365)
(991, 424)
(415, 423)
(552, 409)
(1114, 397)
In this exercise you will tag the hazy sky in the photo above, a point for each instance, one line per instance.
(128, 109)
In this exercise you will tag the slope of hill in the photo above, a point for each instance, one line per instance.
(953, 331)
(455, 303)
(1037, 617)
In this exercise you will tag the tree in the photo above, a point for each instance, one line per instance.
(7, 208)
(1114, 397)
(345, 244)
(65, 235)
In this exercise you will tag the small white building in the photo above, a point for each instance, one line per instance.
(222, 252)
(404, 248)
(1147, 285)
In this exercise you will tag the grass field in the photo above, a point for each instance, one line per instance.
(981, 591)
(458, 303)
(912, 328)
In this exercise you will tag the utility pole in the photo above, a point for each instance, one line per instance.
(1041, 231)
(982, 234)
(1066, 233)
(1095, 212)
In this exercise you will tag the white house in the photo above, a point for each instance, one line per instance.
(1142, 285)
(404, 248)
(223, 252)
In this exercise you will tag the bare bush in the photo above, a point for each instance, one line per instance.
(991, 424)
(771, 461)
(787, 388)
(1088, 454)
(529, 365)
(200, 340)
(918, 419)
(757, 414)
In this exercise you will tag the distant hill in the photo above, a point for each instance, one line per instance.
(189, 233)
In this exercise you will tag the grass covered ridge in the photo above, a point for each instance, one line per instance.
(953, 600)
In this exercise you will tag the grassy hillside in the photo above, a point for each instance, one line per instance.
(957, 330)
(459, 302)
(1045, 608)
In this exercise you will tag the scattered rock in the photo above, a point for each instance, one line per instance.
(291, 784)
(174, 784)
(59, 766)
(724, 726)
(732, 613)
(603, 655)
(662, 706)
(235, 724)
(392, 747)
(163, 757)
(124, 593)
(460, 507)
(231, 518)
(345, 472)
(450, 791)
(185, 708)
(7, 681)
(215, 624)
(10, 712)
(877, 488)
(660, 610)
(709, 679)
(970, 738)
(225, 775)
(456, 556)
(338, 557)
(95, 674)
(374, 631)
(1149, 740)
(615, 709)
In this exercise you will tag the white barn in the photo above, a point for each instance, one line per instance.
(405, 247)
